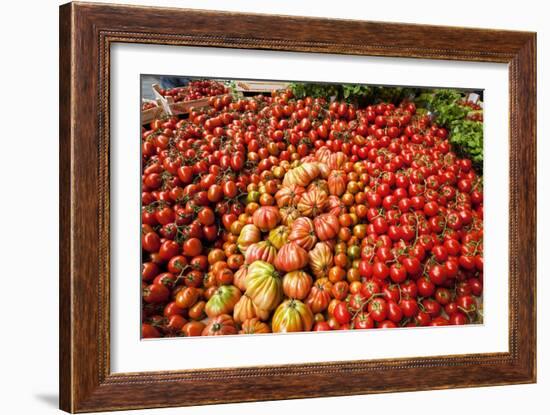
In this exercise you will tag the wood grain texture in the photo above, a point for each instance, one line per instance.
(65, 134)
(86, 33)
(524, 154)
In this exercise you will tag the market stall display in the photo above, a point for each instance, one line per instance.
(289, 212)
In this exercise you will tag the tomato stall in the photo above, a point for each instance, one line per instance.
(310, 207)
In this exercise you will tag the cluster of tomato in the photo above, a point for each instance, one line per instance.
(474, 106)
(276, 214)
(195, 90)
(476, 114)
(148, 105)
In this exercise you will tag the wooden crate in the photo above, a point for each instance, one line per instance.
(260, 86)
(172, 108)
(150, 114)
(164, 102)
(183, 107)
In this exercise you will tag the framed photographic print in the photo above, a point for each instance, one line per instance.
(253, 208)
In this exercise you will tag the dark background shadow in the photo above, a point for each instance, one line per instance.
(50, 399)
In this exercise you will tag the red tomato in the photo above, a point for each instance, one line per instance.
(378, 309)
(341, 313)
(192, 247)
(155, 293)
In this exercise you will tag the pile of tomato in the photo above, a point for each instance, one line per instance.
(195, 90)
(477, 112)
(148, 105)
(274, 214)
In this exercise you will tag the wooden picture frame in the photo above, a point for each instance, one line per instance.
(86, 33)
